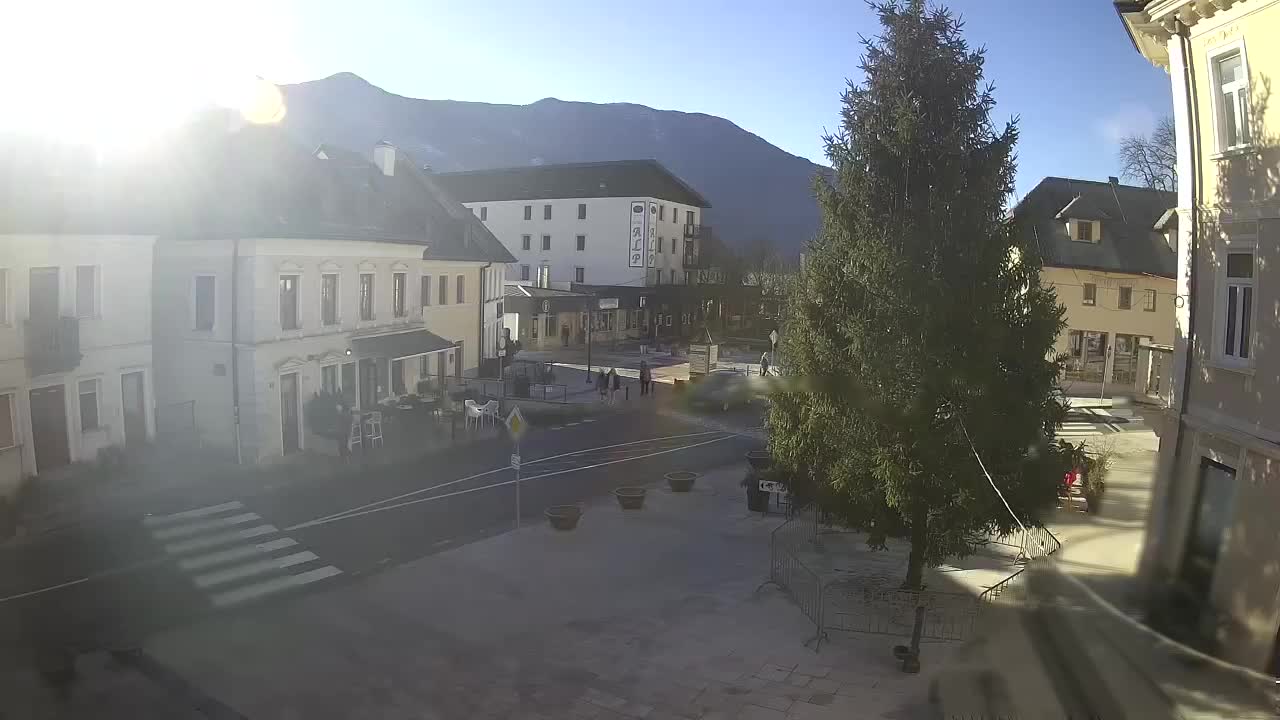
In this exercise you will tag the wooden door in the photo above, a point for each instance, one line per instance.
(49, 428)
(133, 403)
(289, 425)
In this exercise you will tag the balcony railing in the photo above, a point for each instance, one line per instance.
(697, 232)
(52, 345)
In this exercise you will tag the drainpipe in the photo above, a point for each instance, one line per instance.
(480, 333)
(235, 353)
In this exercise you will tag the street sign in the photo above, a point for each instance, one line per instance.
(608, 303)
(773, 336)
(516, 424)
(773, 486)
(502, 352)
(515, 461)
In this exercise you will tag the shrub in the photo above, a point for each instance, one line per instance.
(1096, 466)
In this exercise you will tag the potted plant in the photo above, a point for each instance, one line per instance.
(563, 517)
(681, 481)
(630, 498)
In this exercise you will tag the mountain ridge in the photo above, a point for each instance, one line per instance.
(757, 190)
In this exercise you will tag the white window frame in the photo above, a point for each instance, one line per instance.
(545, 243)
(1120, 297)
(337, 376)
(195, 314)
(580, 243)
(403, 310)
(97, 398)
(297, 304)
(96, 310)
(16, 440)
(373, 296)
(337, 298)
(1084, 294)
(1238, 244)
(579, 274)
(1215, 56)
(6, 297)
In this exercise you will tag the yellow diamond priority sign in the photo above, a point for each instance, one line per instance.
(516, 424)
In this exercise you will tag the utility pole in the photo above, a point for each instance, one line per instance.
(590, 318)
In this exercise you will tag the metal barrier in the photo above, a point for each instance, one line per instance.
(549, 392)
(789, 573)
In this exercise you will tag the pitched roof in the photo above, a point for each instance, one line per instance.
(514, 290)
(615, 178)
(1129, 242)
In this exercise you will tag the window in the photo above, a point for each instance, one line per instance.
(397, 377)
(544, 276)
(533, 328)
(366, 296)
(668, 320)
(462, 293)
(1090, 294)
(1126, 297)
(329, 299)
(524, 272)
(675, 215)
(399, 281)
(7, 437)
(546, 212)
(1084, 230)
(662, 243)
(582, 211)
(551, 326)
(484, 213)
(688, 278)
(662, 209)
(443, 297)
(1212, 514)
(329, 379)
(89, 406)
(546, 242)
(1231, 94)
(579, 274)
(525, 243)
(86, 291)
(672, 277)
(688, 217)
(1149, 300)
(289, 302)
(673, 246)
(204, 299)
(4, 296)
(582, 243)
(528, 212)
(1236, 313)
(425, 291)
(349, 381)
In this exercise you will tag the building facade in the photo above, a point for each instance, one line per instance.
(1111, 268)
(75, 350)
(576, 222)
(1212, 541)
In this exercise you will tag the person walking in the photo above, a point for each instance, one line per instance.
(764, 364)
(602, 383)
(615, 383)
(645, 377)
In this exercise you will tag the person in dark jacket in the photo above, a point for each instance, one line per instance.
(645, 377)
(602, 384)
(615, 383)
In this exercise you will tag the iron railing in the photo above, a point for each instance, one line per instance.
(788, 571)
(1034, 543)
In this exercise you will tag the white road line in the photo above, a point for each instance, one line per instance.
(238, 553)
(191, 514)
(249, 592)
(353, 514)
(240, 572)
(209, 541)
(504, 468)
(196, 528)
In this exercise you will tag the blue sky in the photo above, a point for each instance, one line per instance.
(776, 69)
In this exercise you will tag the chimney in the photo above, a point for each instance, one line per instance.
(1113, 180)
(384, 156)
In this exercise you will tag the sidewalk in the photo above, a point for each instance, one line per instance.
(642, 614)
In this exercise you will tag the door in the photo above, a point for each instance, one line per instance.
(49, 428)
(289, 427)
(43, 294)
(457, 360)
(368, 384)
(133, 404)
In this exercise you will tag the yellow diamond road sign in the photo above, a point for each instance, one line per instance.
(516, 423)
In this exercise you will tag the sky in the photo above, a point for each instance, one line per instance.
(1067, 69)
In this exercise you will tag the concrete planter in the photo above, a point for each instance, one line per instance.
(630, 498)
(681, 481)
(563, 517)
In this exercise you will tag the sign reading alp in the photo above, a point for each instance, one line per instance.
(516, 424)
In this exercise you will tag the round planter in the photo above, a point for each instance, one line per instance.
(563, 517)
(681, 481)
(760, 459)
(757, 500)
(630, 498)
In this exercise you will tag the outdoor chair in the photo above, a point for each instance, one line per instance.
(471, 411)
(353, 435)
(373, 428)
(490, 410)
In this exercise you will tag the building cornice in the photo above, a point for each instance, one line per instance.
(1151, 24)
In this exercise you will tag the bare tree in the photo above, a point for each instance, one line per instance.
(1151, 160)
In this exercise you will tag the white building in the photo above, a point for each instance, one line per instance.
(75, 349)
(361, 279)
(575, 223)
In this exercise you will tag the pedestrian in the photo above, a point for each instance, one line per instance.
(602, 383)
(645, 377)
(615, 383)
(564, 336)
(764, 364)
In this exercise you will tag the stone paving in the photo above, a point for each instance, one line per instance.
(635, 614)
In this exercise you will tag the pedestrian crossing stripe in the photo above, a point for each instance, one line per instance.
(228, 549)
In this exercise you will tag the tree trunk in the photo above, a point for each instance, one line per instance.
(919, 542)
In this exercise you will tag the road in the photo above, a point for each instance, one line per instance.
(111, 584)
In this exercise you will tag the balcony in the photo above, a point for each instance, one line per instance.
(697, 232)
(52, 345)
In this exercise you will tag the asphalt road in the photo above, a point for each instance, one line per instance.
(111, 584)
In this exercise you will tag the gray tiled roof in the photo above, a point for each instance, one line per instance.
(615, 178)
(1127, 214)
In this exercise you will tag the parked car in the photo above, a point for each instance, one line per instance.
(720, 390)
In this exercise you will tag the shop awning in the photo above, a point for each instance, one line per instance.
(398, 346)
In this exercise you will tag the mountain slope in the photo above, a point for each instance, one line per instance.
(756, 189)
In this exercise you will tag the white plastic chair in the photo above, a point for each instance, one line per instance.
(373, 429)
(471, 412)
(490, 410)
(353, 435)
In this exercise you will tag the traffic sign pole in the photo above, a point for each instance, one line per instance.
(516, 426)
(517, 485)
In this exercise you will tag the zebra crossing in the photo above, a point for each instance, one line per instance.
(1072, 430)
(232, 555)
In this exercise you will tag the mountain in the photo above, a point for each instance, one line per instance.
(757, 191)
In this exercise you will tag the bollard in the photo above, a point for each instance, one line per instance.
(628, 393)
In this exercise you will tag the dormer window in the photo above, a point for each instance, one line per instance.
(1084, 230)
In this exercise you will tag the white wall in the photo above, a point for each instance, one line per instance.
(115, 340)
(607, 228)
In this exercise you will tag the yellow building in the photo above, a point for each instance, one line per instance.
(1112, 270)
(1211, 563)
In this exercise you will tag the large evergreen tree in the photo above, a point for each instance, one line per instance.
(919, 320)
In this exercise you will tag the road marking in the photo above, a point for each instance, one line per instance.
(433, 498)
(225, 556)
(504, 468)
(240, 572)
(249, 592)
(196, 528)
(209, 541)
(191, 514)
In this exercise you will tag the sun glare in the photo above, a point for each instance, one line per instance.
(117, 75)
